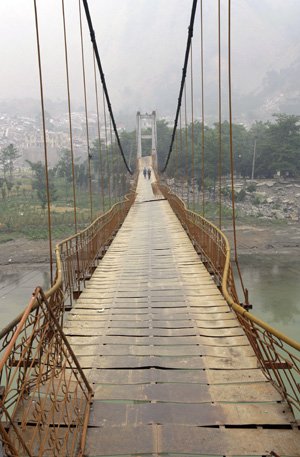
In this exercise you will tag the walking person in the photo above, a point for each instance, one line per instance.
(144, 172)
(149, 173)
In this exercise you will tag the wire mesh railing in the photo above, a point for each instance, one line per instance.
(45, 398)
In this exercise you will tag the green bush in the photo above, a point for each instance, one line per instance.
(241, 195)
(251, 187)
(256, 201)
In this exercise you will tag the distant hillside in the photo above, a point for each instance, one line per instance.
(279, 92)
(31, 107)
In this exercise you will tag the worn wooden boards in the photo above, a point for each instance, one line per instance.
(171, 368)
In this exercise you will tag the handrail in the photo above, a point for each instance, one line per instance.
(280, 364)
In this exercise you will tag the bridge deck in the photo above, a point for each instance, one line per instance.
(171, 368)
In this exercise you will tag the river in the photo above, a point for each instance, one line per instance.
(273, 283)
(274, 290)
(16, 286)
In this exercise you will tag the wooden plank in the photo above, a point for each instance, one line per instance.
(179, 439)
(189, 393)
(168, 362)
(108, 414)
(167, 350)
(148, 375)
(83, 338)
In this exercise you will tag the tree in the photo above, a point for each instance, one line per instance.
(8, 156)
(39, 183)
(164, 134)
(63, 168)
(278, 148)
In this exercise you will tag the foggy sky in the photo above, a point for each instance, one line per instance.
(142, 45)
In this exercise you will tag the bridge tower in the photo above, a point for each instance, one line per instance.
(146, 121)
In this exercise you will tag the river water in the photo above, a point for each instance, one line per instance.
(16, 287)
(273, 283)
(274, 290)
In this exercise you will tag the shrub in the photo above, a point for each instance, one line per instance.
(251, 187)
(241, 195)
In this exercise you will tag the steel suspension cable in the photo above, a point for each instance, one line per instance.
(45, 140)
(99, 135)
(184, 70)
(202, 113)
(192, 140)
(231, 152)
(94, 42)
(220, 162)
(86, 113)
(70, 117)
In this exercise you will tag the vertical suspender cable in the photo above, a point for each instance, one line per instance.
(106, 148)
(70, 117)
(231, 150)
(112, 162)
(99, 135)
(45, 140)
(86, 114)
(181, 154)
(220, 162)
(192, 140)
(187, 173)
(202, 110)
(176, 161)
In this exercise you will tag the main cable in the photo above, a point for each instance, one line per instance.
(94, 42)
(186, 58)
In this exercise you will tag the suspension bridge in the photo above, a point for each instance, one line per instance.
(141, 346)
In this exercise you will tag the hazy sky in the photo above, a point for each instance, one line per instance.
(142, 44)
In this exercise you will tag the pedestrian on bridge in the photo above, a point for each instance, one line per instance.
(144, 172)
(149, 173)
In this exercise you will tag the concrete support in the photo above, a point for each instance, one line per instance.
(146, 121)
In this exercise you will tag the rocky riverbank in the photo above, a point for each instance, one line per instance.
(267, 239)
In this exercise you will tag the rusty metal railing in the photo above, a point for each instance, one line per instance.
(278, 355)
(79, 253)
(46, 398)
(44, 395)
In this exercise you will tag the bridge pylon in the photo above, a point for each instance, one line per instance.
(146, 121)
